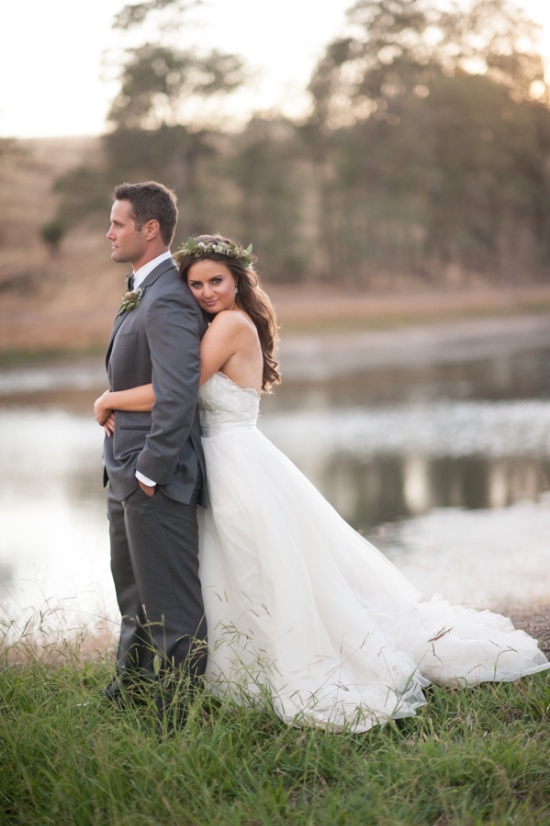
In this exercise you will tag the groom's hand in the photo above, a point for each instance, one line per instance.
(149, 490)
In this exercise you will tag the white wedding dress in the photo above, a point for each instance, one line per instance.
(304, 611)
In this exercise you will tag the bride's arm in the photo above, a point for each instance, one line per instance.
(226, 335)
(140, 399)
(219, 343)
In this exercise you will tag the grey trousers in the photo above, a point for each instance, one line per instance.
(155, 567)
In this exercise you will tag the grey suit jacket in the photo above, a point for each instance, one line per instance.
(157, 342)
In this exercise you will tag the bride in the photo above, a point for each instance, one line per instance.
(302, 610)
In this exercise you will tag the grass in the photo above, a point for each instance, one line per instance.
(471, 756)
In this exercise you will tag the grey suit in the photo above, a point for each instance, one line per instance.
(154, 540)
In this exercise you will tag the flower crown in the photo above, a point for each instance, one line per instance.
(227, 248)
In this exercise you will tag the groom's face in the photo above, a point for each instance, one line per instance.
(129, 243)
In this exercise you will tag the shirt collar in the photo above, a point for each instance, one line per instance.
(141, 274)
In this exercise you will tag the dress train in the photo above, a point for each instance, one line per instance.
(304, 610)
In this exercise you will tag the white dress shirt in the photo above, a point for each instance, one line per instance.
(141, 274)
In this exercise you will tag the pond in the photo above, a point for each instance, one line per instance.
(441, 459)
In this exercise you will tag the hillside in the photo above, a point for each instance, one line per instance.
(67, 300)
(47, 300)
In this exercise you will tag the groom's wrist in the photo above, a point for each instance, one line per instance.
(146, 481)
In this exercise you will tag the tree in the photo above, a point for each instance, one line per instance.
(162, 82)
(52, 233)
(395, 48)
(431, 130)
(426, 154)
(160, 113)
(269, 173)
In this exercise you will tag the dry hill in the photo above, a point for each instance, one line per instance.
(50, 300)
(67, 300)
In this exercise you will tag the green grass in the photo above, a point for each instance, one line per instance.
(478, 756)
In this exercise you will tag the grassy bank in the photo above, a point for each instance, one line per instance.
(305, 311)
(476, 756)
(80, 322)
(348, 322)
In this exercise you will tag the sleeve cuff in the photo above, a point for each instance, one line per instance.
(145, 479)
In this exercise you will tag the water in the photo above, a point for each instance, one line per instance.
(443, 463)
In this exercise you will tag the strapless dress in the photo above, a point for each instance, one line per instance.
(303, 612)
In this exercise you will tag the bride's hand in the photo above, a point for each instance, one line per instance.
(101, 409)
(109, 424)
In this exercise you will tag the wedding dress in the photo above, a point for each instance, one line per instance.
(304, 611)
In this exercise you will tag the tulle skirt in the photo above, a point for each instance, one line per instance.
(303, 612)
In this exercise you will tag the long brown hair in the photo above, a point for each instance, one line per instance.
(250, 296)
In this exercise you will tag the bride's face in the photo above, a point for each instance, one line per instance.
(212, 284)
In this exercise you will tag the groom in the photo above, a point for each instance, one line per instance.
(154, 464)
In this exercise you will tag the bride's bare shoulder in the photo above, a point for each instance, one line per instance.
(233, 322)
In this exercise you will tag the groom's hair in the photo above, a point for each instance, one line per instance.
(151, 201)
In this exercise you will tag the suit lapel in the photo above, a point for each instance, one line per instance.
(163, 267)
(118, 321)
(153, 276)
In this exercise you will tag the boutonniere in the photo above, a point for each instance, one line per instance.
(130, 301)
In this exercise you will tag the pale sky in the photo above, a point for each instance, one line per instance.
(54, 82)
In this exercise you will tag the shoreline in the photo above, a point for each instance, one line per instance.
(324, 355)
(534, 619)
(317, 356)
(79, 320)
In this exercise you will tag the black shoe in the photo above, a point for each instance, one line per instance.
(114, 690)
(170, 721)
(172, 714)
(124, 690)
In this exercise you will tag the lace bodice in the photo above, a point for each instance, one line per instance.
(221, 401)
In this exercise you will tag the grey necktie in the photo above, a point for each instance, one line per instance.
(129, 283)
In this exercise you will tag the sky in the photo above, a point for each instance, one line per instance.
(55, 81)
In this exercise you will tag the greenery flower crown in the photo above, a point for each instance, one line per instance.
(229, 249)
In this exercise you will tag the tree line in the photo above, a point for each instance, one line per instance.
(425, 153)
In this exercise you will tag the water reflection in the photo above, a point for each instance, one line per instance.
(517, 375)
(387, 488)
(481, 557)
(445, 467)
(53, 549)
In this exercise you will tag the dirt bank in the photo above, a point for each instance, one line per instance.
(535, 619)
(80, 315)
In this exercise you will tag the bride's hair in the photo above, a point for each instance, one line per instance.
(250, 296)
